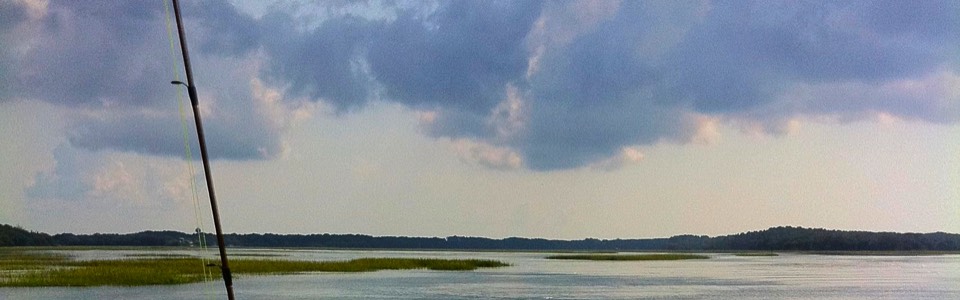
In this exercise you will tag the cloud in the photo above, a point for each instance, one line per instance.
(608, 84)
(93, 55)
(221, 28)
(109, 178)
(65, 181)
(123, 188)
(11, 15)
(743, 54)
(767, 64)
(459, 57)
(111, 64)
(538, 85)
(489, 156)
(627, 155)
(933, 98)
(322, 64)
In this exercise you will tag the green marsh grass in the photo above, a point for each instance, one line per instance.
(29, 260)
(38, 269)
(124, 272)
(631, 257)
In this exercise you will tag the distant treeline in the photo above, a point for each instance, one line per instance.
(773, 239)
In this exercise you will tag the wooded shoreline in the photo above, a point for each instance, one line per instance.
(773, 239)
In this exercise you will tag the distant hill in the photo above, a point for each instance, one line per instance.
(772, 239)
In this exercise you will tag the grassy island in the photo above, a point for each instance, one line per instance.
(618, 257)
(38, 269)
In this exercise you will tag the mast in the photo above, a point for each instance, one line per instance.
(192, 92)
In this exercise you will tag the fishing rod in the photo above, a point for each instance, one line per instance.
(192, 92)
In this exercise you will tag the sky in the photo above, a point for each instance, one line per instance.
(554, 119)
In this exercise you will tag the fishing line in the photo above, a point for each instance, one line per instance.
(201, 237)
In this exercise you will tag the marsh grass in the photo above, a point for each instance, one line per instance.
(38, 269)
(124, 272)
(29, 260)
(630, 257)
(756, 254)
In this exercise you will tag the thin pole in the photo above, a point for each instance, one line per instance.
(192, 92)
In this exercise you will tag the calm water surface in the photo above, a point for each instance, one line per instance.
(724, 276)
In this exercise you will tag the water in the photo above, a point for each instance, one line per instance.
(724, 276)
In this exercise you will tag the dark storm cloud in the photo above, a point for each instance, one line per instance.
(601, 91)
(588, 78)
(111, 62)
(94, 54)
(932, 23)
(130, 132)
(11, 14)
(593, 96)
(227, 31)
(162, 136)
(745, 54)
(459, 57)
(323, 63)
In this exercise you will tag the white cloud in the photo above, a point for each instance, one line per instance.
(509, 118)
(707, 130)
(500, 158)
(626, 156)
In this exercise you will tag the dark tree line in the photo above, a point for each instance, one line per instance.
(145, 238)
(804, 239)
(772, 239)
(16, 236)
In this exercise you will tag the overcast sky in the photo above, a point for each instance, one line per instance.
(557, 119)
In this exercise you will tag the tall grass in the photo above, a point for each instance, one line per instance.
(618, 257)
(126, 272)
(35, 270)
(28, 260)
